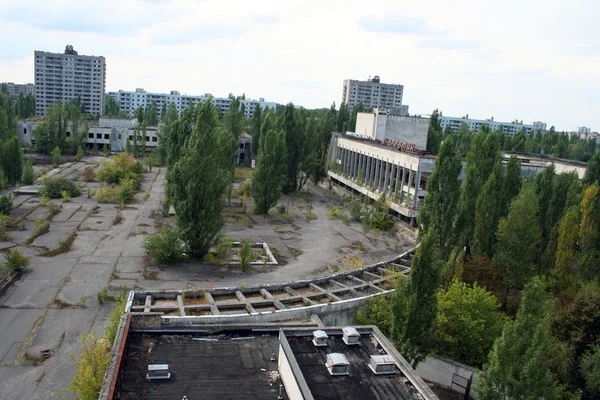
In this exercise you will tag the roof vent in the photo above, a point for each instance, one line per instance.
(382, 364)
(320, 338)
(350, 335)
(337, 364)
(158, 371)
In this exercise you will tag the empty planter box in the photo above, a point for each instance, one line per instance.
(337, 364)
(350, 335)
(320, 338)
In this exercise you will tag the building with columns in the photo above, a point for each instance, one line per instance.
(371, 168)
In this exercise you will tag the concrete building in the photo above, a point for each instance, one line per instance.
(112, 131)
(15, 89)
(475, 124)
(129, 101)
(584, 130)
(381, 125)
(66, 76)
(372, 168)
(372, 93)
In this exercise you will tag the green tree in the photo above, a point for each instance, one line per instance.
(467, 323)
(443, 190)
(91, 366)
(518, 236)
(487, 214)
(111, 107)
(268, 177)
(511, 184)
(568, 235)
(56, 157)
(589, 234)
(11, 159)
(414, 303)
(592, 172)
(255, 131)
(434, 133)
(234, 122)
(140, 114)
(52, 131)
(151, 118)
(293, 125)
(590, 369)
(28, 173)
(518, 365)
(79, 155)
(199, 180)
(376, 311)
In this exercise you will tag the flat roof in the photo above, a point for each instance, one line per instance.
(225, 365)
(361, 383)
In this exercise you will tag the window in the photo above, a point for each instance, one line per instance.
(130, 137)
(107, 136)
(91, 136)
(155, 139)
(147, 138)
(24, 131)
(119, 136)
(98, 136)
(68, 134)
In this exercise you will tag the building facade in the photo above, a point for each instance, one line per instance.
(15, 89)
(381, 125)
(372, 93)
(66, 76)
(130, 100)
(475, 124)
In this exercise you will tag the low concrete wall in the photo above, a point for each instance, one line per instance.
(440, 370)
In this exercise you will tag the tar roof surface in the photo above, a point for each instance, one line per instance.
(221, 369)
(361, 384)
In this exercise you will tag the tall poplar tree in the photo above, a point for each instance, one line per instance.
(487, 214)
(434, 132)
(589, 234)
(414, 303)
(268, 177)
(199, 180)
(518, 365)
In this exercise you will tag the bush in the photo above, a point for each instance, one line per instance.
(6, 204)
(65, 196)
(3, 179)
(54, 187)
(16, 260)
(165, 247)
(246, 254)
(79, 154)
(56, 156)
(89, 175)
(376, 311)
(334, 213)
(120, 167)
(126, 191)
(4, 235)
(28, 173)
(223, 247)
(106, 194)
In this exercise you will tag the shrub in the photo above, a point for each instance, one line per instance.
(28, 173)
(125, 191)
(309, 215)
(106, 194)
(44, 200)
(119, 167)
(3, 179)
(334, 213)
(56, 157)
(89, 175)
(79, 155)
(54, 187)
(6, 204)
(246, 254)
(102, 295)
(376, 311)
(165, 247)
(65, 196)
(4, 227)
(16, 260)
(223, 247)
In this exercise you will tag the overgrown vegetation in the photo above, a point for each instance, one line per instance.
(15, 260)
(53, 188)
(6, 204)
(165, 247)
(121, 176)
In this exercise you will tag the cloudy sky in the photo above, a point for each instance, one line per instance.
(528, 60)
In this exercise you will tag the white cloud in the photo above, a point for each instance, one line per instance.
(536, 60)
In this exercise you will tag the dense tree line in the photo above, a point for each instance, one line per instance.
(11, 153)
(531, 244)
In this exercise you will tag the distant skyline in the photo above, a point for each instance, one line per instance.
(534, 60)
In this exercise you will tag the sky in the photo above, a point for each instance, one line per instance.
(528, 60)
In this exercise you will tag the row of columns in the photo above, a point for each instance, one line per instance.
(378, 174)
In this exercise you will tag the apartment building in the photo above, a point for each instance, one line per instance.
(15, 89)
(372, 93)
(66, 76)
(474, 124)
(130, 100)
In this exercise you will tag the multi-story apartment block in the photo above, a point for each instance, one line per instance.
(372, 93)
(15, 89)
(129, 101)
(475, 124)
(69, 76)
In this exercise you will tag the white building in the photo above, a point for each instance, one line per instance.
(15, 89)
(372, 93)
(382, 125)
(128, 101)
(69, 76)
(475, 124)
(584, 130)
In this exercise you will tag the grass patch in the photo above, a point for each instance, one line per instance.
(288, 216)
(237, 218)
(243, 173)
(309, 216)
(65, 246)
